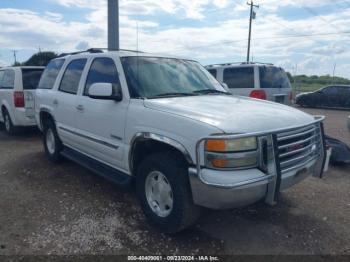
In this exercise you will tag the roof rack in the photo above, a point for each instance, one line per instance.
(97, 50)
(239, 63)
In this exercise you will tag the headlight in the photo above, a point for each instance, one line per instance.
(233, 153)
(233, 145)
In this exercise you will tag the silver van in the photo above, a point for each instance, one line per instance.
(262, 81)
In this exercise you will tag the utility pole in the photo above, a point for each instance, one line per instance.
(15, 56)
(113, 24)
(252, 16)
(335, 65)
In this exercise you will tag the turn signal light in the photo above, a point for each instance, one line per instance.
(258, 94)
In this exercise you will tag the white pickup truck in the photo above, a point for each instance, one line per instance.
(169, 126)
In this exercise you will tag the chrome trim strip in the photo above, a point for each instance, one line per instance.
(299, 165)
(296, 151)
(90, 138)
(289, 161)
(282, 138)
(160, 138)
(298, 142)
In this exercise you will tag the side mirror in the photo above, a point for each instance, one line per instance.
(104, 91)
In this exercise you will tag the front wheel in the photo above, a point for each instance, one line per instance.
(52, 143)
(164, 192)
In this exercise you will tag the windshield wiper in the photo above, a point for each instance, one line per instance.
(175, 94)
(211, 91)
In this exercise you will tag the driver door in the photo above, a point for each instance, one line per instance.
(101, 122)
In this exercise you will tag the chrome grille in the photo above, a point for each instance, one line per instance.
(298, 147)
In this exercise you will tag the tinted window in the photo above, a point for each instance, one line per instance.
(71, 78)
(8, 80)
(1, 77)
(273, 77)
(31, 77)
(239, 77)
(50, 74)
(330, 90)
(102, 70)
(212, 72)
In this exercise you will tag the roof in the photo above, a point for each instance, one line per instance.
(120, 53)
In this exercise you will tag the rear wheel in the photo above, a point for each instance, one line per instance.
(52, 143)
(164, 192)
(9, 127)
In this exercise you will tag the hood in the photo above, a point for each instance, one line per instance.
(232, 114)
(303, 93)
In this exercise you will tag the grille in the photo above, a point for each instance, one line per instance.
(298, 147)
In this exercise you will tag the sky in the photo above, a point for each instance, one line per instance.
(305, 37)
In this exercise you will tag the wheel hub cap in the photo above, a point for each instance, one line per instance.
(159, 194)
(7, 123)
(50, 141)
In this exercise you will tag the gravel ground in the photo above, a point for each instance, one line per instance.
(65, 209)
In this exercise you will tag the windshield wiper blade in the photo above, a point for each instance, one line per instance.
(211, 91)
(171, 95)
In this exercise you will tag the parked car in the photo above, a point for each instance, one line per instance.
(168, 125)
(17, 90)
(334, 96)
(262, 81)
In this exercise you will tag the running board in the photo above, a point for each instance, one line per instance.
(97, 167)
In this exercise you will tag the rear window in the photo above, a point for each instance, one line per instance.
(239, 77)
(31, 78)
(273, 77)
(50, 74)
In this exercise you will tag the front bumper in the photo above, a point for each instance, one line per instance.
(242, 188)
(225, 189)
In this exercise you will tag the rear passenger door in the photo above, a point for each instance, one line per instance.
(239, 80)
(65, 103)
(102, 122)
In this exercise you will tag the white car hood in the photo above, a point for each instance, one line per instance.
(232, 114)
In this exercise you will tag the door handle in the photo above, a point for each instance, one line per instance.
(80, 108)
(55, 102)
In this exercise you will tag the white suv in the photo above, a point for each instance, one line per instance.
(168, 125)
(17, 90)
(262, 81)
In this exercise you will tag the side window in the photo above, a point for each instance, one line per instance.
(330, 90)
(102, 70)
(1, 77)
(212, 72)
(71, 77)
(48, 78)
(8, 81)
(239, 77)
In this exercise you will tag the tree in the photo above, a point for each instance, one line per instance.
(40, 59)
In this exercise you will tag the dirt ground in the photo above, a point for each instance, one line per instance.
(65, 209)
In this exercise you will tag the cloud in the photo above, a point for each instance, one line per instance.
(329, 50)
(223, 38)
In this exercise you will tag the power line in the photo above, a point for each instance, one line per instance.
(310, 10)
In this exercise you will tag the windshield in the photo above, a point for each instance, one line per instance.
(154, 77)
(31, 78)
(273, 77)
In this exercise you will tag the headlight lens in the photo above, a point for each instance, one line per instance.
(233, 145)
(233, 153)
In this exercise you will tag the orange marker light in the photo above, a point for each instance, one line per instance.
(215, 145)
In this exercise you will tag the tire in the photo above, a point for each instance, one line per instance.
(167, 169)
(52, 143)
(8, 125)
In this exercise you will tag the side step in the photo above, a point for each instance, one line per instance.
(97, 167)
